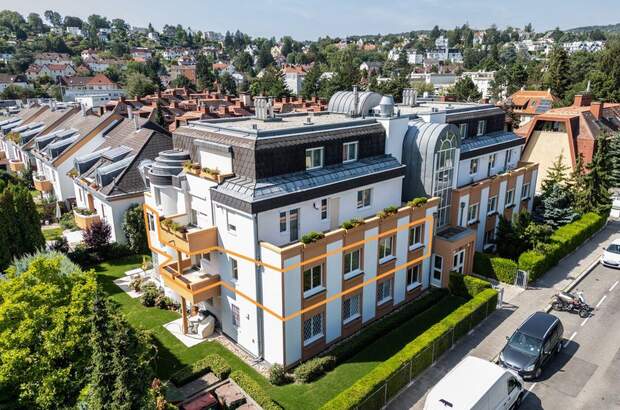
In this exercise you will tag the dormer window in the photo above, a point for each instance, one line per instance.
(349, 151)
(463, 130)
(482, 127)
(314, 158)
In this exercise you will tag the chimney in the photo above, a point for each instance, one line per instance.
(356, 101)
(136, 124)
(596, 108)
(582, 100)
(129, 112)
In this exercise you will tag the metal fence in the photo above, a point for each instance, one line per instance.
(425, 358)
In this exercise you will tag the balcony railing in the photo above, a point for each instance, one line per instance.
(17, 165)
(42, 183)
(179, 234)
(84, 219)
(193, 283)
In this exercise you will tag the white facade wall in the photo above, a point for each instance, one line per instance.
(465, 178)
(333, 310)
(369, 292)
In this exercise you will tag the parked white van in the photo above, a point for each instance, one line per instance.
(476, 384)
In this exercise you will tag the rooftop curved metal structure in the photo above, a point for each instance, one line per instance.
(343, 102)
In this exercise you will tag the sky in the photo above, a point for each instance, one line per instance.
(308, 20)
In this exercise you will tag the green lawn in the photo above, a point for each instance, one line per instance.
(173, 354)
(52, 234)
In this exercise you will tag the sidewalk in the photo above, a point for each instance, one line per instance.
(489, 338)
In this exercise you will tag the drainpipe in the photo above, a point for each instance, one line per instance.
(259, 293)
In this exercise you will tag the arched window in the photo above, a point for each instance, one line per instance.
(444, 174)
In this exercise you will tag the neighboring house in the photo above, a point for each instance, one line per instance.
(10, 158)
(55, 150)
(372, 67)
(140, 53)
(413, 56)
(294, 78)
(75, 31)
(188, 71)
(99, 85)
(107, 181)
(99, 65)
(54, 71)
(482, 80)
(153, 36)
(51, 58)
(588, 46)
(226, 232)
(526, 104)
(439, 81)
(12, 79)
(568, 131)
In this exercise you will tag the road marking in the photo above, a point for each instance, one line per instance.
(528, 391)
(601, 301)
(585, 321)
(614, 286)
(570, 339)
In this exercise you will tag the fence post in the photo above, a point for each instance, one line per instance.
(433, 356)
(453, 332)
(385, 395)
(410, 369)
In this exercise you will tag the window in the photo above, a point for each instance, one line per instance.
(463, 130)
(349, 151)
(415, 236)
(234, 268)
(458, 261)
(385, 248)
(236, 317)
(525, 191)
(510, 196)
(351, 262)
(81, 195)
(363, 198)
(384, 291)
(230, 222)
(314, 158)
(413, 277)
(473, 167)
(437, 267)
(508, 158)
(282, 221)
(293, 224)
(102, 211)
(492, 205)
(313, 328)
(472, 214)
(206, 256)
(313, 279)
(351, 308)
(489, 237)
(151, 220)
(482, 127)
(491, 164)
(324, 209)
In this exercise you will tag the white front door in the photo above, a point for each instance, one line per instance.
(458, 264)
(436, 271)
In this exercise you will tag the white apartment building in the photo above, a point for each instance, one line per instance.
(99, 85)
(226, 231)
(482, 80)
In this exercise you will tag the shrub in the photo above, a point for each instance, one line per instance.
(314, 368)
(253, 389)
(212, 363)
(351, 223)
(150, 293)
(136, 284)
(85, 211)
(83, 257)
(60, 245)
(390, 210)
(418, 352)
(135, 229)
(67, 221)
(97, 235)
(494, 267)
(349, 347)
(466, 286)
(417, 202)
(164, 302)
(311, 237)
(277, 375)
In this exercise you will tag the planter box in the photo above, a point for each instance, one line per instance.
(85, 221)
(17, 166)
(190, 242)
(43, 185)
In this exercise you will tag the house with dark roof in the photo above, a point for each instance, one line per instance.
(74, 88)
(12, 79)
(107, 180)
(527, 104)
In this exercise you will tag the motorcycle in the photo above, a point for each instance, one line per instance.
(571, 302)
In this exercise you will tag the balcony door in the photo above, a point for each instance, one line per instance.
(293, 222)
(334, 212)
(90, 201)
(458, 264)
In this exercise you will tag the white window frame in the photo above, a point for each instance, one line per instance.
(510, 194)
(473, 166)
(492, 209)
(383, 246)
(310, 155)
(231, 228)
(415, 243)
(492, 160)
(476, 209)
(381, 290)
(314, 287)
(235, 314)
(282, 220)
(311, 323)
(349, 314)
(234, 269)
(345, 151)
(459, 256)
(351, 270)
(463, 128)
(366, 198)
(482, 127)
(437, 269)
(414, 272)
(323, 209)
(525, 193)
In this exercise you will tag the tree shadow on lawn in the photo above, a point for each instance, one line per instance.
(314, 395)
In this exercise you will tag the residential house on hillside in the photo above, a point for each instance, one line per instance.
(140, 54)
(51, 58)
(99, 85)
(16, 80)
(372, 67)
(53, 71)
(482, 80)
(294, 76)
(228, 232)
(569, 132)
(526, 104)
(107, 181)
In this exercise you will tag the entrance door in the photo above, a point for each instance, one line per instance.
(334, 212)
(458, 264)
(437, 270)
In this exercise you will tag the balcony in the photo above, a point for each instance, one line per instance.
(84, 218)
(207, 173)
(2, 155)
(178, 233)
(17, 165)
(42, 183)
(193, 284)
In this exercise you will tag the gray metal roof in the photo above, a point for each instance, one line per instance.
(250, 190)
(343, 102)
(489, 140)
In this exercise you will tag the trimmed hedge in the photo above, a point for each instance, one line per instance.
(212, 363)
(350, 347)
(253, 389)
(563, 241)
(494, 267)
(418, 351)
(466, 286)
(314, 368)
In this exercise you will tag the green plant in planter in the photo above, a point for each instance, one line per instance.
(14, 136)
(311, 237)
(417, 202)
(390, 210)
(351, 223)
(85, 211)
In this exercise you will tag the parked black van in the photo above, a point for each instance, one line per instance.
(533, 344)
